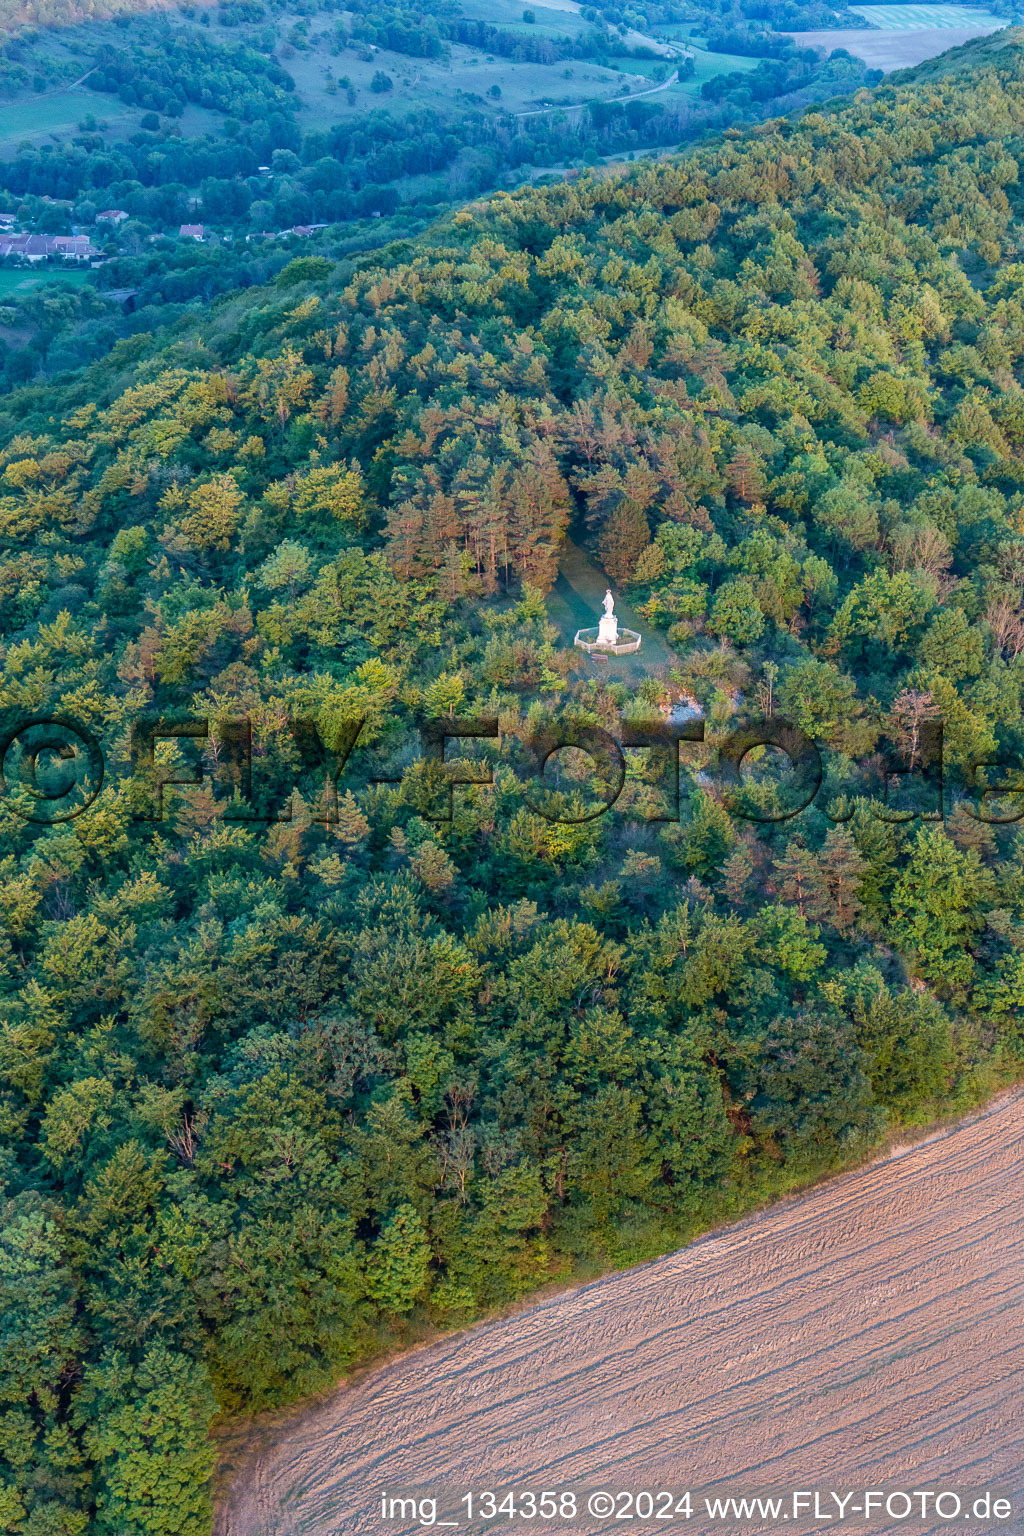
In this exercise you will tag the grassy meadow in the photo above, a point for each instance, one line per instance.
(18, 280)
(56, 112)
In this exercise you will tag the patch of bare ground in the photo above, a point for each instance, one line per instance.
(891, 50)
(869, 1334)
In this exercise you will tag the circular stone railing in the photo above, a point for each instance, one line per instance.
(628, 642)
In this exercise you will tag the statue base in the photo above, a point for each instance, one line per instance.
(595, 642)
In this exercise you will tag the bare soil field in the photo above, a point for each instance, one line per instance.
(869, 1334)
(892, 50)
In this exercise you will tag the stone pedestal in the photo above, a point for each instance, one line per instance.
(608, 630)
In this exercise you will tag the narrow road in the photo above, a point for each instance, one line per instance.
(578, 106)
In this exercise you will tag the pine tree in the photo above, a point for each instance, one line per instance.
(621, 540)
(967, 831)
(708, 838)
(353, 827)
(432, 865)
(455, 572)
(339, 394)
(44, 1481)
(842, 868)
(745, 475)
(445, 693)
(737, 871)
(800, 880)
(536, 507)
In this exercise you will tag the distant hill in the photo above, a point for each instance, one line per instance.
(17, 14)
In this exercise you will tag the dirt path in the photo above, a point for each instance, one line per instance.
(867, 1335)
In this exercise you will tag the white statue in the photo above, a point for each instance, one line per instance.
(608, 628)
(608, 637)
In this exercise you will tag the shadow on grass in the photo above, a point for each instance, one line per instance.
(574, 602)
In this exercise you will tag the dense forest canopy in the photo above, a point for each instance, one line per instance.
(275, 1095)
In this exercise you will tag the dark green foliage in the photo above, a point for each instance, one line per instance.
(303, 269)
(624, 537)
(187, 68)
(278, 1094)
(144, 1428)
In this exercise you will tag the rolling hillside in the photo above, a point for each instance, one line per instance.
(295, 1067)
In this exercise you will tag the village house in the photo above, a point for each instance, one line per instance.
(192, 232)
(112, 215)
(73, 247)
(39, 247)
(303, 230)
